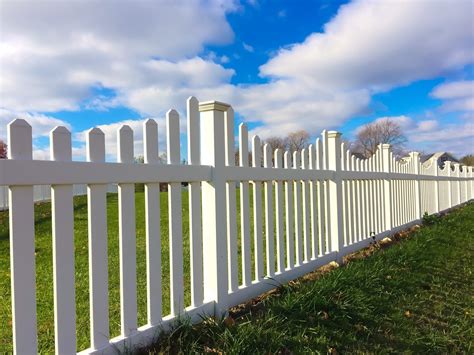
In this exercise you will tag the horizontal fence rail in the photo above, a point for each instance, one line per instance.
(253, 223)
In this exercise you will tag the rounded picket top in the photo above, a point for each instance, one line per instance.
(267, 155)
(278, 156)
(296, 159)
(20, 140)
(287, 158)
(60, 138)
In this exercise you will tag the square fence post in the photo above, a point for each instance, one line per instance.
(214, 213)
(335, 193)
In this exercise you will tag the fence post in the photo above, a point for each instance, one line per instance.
(335, 193)
(214, 213)
(415, 158)
(387, 187)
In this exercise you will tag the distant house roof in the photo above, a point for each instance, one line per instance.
(441, 156)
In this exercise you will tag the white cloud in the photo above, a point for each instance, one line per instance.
(116, 44)
(248, 47)
(427, 125)
(381, 44)
(41, 124)
(457, 96)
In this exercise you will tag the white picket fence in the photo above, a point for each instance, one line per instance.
(319, 204)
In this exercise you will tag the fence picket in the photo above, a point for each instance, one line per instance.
(279, 210)
(97, 216)
(231, 205)
(127, 238)
(313, 203)
(244, 207)
(63, 249)
(152, 225)
(195, 213)
(22, 245)
(175, 217)
(257, 210)
(290, 249)
(306, 207)
(269, 213)
(298, 216)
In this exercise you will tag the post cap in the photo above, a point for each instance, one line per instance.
(213, 106)
(334, 134)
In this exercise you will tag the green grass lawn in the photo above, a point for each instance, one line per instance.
(414, 297)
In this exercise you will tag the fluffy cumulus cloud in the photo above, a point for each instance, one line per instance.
(151, 55)
(117, 44)
(41, 124)
(457, 96)
(381, 44)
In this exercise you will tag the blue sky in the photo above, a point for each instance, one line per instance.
(283, 65)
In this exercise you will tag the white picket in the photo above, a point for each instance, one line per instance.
(306, 207)
(298, 215)
(279, 210)
(257, 211)
(244, 207)
(269, 213)
(152, 225)
(314, 204)
(63, 249)
(22, 245)
(231, 204)
(127, 238)
(175, 217)
(290, 242)
(97, 216)
(195, 213)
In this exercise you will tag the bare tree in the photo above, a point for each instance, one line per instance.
(276, 143)
(297, 140)
(3, 150)
(385, 131)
